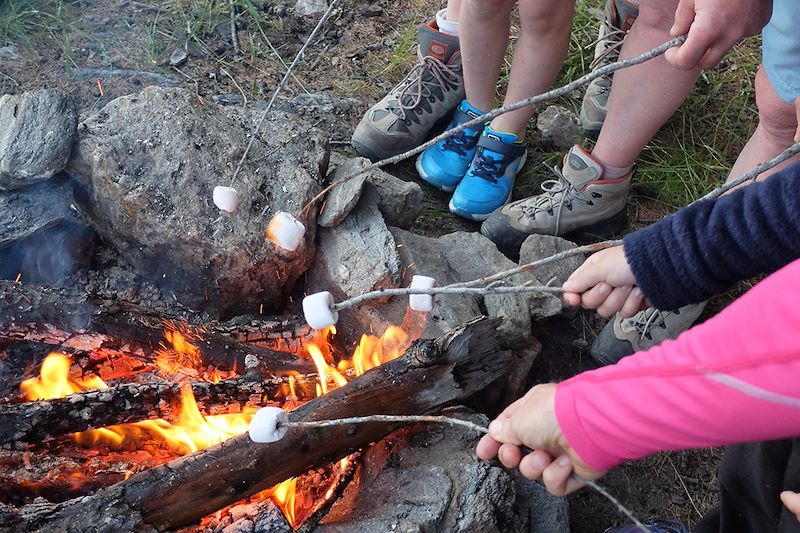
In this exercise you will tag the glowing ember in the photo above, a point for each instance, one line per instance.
(182, 353)
(54, 380)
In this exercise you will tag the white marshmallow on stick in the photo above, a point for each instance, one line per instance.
(421, 302)
(318, 310)
(226, 198)
(264, 425)
(286, 231)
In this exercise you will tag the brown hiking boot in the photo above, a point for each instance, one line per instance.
(578, 205)
(430, 91)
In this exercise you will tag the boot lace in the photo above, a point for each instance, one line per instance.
(557, 194)
(427, 75)
(643, 321)
(461, 142)
(611, 42)
(487, 167)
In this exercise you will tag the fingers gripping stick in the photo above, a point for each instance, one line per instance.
(226, 198)
(286, 231)
(421, 302)
(264, 427)
(318, 308)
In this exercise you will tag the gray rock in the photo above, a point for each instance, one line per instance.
(306, 8)
(559, 127)
(36, 137)
(452, 258)
(178, 57)
(228, 99)
(548, 513)
(147, 164)
(342, 198)
(426, 478)
(359, 255)
(538, 247)
(43, 238)
(399, 201)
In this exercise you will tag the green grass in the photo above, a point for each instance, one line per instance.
(28, 22)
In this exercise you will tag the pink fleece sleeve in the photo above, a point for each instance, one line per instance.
(734, 378)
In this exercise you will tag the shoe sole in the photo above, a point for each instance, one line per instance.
(607, 229)
(424, 176)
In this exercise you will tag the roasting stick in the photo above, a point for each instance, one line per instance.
(226, 198)
(270, 424)
(275, 230)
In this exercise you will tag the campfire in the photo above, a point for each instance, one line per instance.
(178, 363)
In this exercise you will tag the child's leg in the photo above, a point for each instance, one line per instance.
(545, 27)
(777, 123)
(643, 97)
(484, 37)
(751, 479)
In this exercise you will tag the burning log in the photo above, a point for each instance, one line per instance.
(128, 402)
(66, 317)
(430, 375)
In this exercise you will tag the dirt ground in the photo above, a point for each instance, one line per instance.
(97, 51)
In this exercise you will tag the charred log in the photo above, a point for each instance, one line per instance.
(128, 402)
(430, 375)
(68, 318)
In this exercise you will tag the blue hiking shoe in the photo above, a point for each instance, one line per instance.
(659, 525)
(488, 182)
(444, 164)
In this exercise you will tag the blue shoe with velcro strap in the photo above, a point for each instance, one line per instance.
(444, 164)
(488, 182)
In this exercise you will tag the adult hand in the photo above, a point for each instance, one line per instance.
(605, 282)
(713, 27)
(531, 422)
(792, 502)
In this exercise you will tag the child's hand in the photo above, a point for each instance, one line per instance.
(792, 502)
(531, 422)
(605, 282)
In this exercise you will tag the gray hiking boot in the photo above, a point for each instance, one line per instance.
(619, 16)
(578, 205)
(403, 118)
(623, 336)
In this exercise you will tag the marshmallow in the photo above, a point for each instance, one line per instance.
(286, 231)
(421, 302)
(264, 425)
(226, 198)
(318, 310)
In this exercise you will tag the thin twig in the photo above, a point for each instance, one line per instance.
(470, 287)
(452, 422)
(685, 488)
(549, 95)
(234, 34)
(753, 174)
(225, 71)
(280, 86)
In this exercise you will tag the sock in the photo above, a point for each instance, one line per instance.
(610, 173)
(448, 27)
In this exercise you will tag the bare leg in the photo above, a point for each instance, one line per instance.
(545, 27)
(484, 37)
(777, 124)
(643, 97)
(453, 7)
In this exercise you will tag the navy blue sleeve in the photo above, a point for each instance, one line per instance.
(704, 248)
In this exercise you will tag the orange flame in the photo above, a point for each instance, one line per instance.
(182, 353)
(54, 381)
(190, 433)
(283, 495)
